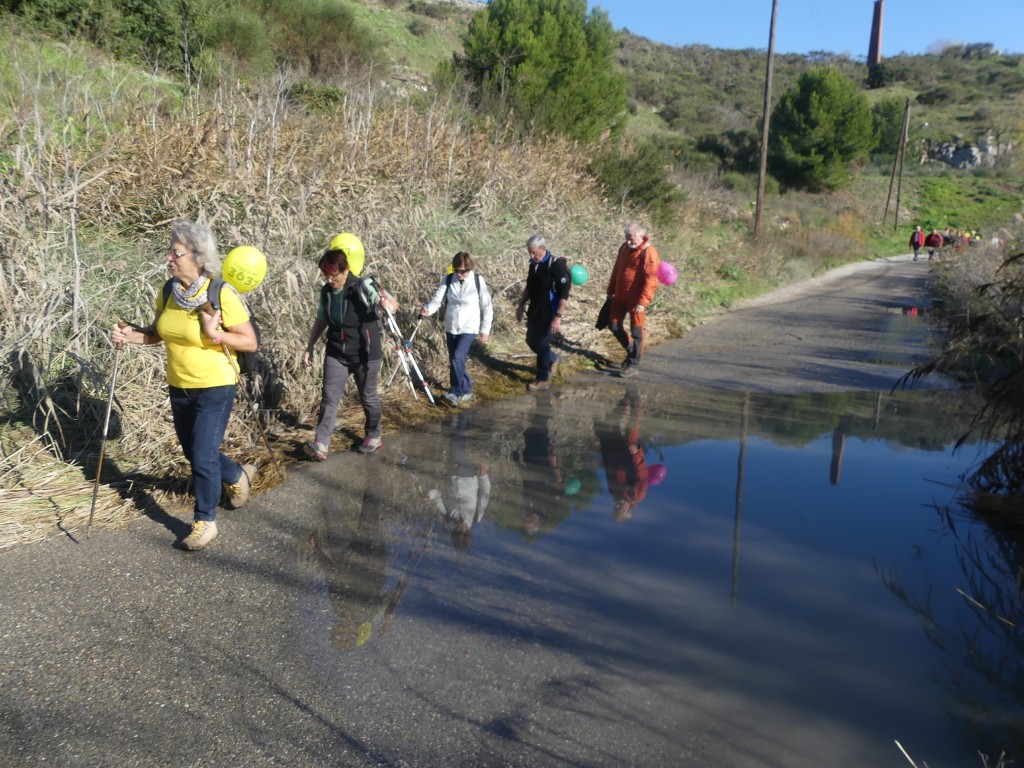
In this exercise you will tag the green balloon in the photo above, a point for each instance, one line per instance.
(579, 274)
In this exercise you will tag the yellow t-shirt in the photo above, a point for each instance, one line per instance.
(193, 360)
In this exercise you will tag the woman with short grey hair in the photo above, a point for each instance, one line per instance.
(201, 370)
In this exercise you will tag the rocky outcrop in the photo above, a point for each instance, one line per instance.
(964, 155)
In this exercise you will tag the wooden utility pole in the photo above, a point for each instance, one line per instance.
(903, 151)
(766, 115)
(898, 160)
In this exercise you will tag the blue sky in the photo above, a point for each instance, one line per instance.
(839, 26)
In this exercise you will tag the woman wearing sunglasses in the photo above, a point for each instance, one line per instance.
(201, 374)
(469, 312)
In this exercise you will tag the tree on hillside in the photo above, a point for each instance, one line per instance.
(821, 126)
(887, 116)
(546, 63)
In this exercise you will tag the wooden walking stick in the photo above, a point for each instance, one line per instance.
(103, 437)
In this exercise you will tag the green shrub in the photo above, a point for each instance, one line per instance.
(639, 176)
(317, 97)
(244, 36)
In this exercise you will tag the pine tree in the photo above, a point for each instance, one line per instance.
(548, 64)
(821, 126)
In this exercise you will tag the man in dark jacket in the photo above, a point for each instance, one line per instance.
(542, 304)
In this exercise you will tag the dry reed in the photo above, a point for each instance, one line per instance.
(84, 214)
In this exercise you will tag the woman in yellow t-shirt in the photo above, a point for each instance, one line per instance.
(201, 370)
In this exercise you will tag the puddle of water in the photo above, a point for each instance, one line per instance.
(675, 574)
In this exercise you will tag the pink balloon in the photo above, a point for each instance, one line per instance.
(666, 273)
(656, 474)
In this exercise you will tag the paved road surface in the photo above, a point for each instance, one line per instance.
(123, 651)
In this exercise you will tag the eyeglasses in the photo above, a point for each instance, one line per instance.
(328, 277)
(175, 254)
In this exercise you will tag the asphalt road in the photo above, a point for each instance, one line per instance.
(122, 650)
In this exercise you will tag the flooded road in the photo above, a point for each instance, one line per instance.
(756, 554)
(612, 576)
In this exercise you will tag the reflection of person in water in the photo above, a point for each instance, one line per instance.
(542, 474)
(622, 454)
(467, 489)
(350, 554)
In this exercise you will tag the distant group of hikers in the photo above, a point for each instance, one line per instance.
(957, 239)
(204, 335)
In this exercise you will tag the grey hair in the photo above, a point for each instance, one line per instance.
(639, 230)
(200, 241)
(533, 240)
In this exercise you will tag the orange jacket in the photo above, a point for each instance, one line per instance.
(635, 275)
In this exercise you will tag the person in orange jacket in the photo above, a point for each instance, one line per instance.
(622, 454)
(631, 289)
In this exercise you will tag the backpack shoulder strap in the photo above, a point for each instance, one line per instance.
(168, 287)
(213, 291)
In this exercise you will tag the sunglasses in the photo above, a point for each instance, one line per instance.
(461, 271)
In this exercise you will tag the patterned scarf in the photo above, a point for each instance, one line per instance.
(192, 297)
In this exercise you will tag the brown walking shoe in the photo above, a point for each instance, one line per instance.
(241, 490)
(538, 386)
(203, 532)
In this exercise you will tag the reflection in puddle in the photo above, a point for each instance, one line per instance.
(711, 569)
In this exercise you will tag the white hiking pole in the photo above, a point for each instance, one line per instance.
(407, 346)
(406, 359)
(103, 438)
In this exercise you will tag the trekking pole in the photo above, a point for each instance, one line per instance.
(103, 437)
(415, 367)
(406, 358)
(407, 346)
(396, 338)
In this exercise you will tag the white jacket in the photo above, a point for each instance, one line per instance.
(463, 313)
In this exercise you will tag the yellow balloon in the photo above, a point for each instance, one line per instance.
(353, 248)
(244, 267)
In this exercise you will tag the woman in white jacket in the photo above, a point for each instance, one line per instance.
(469, 313)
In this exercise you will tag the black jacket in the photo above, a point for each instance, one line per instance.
(548, 281)
(353, 325)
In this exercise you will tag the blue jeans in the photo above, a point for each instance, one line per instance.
(538, 338)
(459, 345)
(200, 419)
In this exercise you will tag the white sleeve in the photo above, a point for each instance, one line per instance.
(435, 303)
(487, 307)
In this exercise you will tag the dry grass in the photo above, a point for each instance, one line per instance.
(84, 212)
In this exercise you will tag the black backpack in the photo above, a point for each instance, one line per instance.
(247, 361)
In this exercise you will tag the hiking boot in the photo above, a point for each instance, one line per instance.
(453, 399)
(370, 444)
(629, 372)
(242, 489)
(314, 450)
(466, 397)
(538, 386)
(203, 532)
